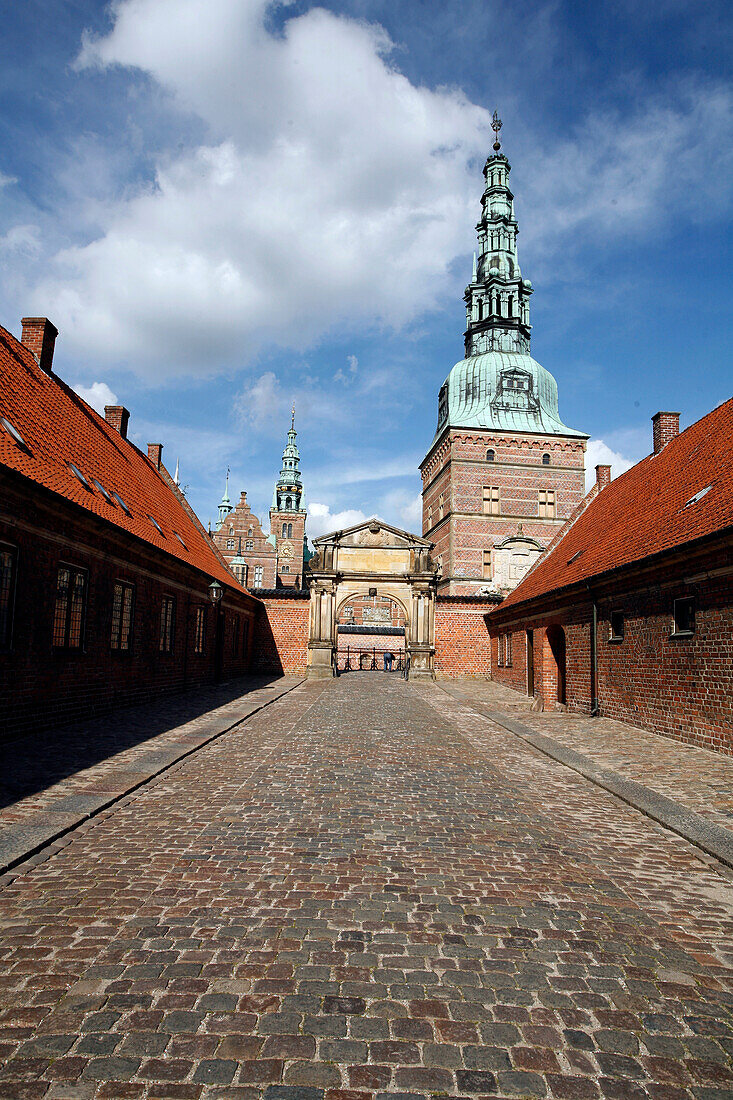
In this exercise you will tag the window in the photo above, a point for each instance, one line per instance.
(290, 530)
(248, 544)
(230, 544)
(68, 620)
(8, 566)
(491, 500)
(235, 636)
(500, 651)
(250, 532)
(167, 624)
(546, 503)
(440, 506)
(617, 626)
(79, 476)
(285, 531)
(156, 525)
(240, 572)
(102, 490)
(684, 616)
(480, 311)
(13, 432)
(508, 650)
(286, 569)
(180, 540)
(491, 456)
(259, 575)
(487, 565)
(245, 636)
(545, 460)
(121, 503)
(199, 638)
(122, 600)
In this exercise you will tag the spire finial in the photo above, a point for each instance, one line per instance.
(292, 419)
(496, 125)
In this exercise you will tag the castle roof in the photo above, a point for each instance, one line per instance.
(49, 435)
(670, 499)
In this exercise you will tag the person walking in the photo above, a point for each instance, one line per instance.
(388, 659)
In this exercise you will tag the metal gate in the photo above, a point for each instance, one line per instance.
(350, 658)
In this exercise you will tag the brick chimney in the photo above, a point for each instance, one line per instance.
(39, 336)
(155, 451)
(666, 426)
(603, 477)
(117, 416)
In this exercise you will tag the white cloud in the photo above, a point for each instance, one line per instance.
(97, 395)
(260, 402)
(321, 520)
(332, 189)
(599, 453)
(350, 373)
(21, 238)
(6, 181)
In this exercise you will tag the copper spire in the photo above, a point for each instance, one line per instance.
(496, 125)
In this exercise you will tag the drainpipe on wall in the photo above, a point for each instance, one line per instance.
(594, 708)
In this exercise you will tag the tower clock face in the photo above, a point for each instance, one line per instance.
(286, 551)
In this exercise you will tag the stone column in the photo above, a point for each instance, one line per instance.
(322, 632)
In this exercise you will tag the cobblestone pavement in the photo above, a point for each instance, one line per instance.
(368, 890)
(699, 779)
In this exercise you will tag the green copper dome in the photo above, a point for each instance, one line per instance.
(502, 391)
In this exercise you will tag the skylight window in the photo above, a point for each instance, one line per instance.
(121, 503)
(574, 557)
(80, 476)
(697, 496)
(13, 432)
(156, 525)
(180, 540)
(102, 490)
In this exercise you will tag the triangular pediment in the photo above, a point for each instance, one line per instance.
(373, 532)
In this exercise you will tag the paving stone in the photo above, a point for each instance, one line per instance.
(368, 889)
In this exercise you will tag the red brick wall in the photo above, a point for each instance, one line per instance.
(679, 687)
(41, 685)
(459, 470)
(462, 641)
(281, 635)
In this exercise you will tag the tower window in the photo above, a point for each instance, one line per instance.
(259, 575)
(285, 531)
(440, 506)
(492, 505)
(230, 544)
(490, 456)
(480, 310)
(546, 503)
(545, 460)
(290, 530)
(250, 532)
(430, 516)
(486, 572)
(248, 544)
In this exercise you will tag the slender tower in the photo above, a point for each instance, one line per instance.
(503, 472)
(288, 515)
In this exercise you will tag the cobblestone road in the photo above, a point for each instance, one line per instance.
(368, 890)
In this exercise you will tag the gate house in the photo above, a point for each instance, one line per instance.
(372, 559)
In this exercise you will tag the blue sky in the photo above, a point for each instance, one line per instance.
(228, 205)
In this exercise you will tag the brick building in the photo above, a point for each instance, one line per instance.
(503, 473)
(276, 560)
(630, 613)
(105, 571)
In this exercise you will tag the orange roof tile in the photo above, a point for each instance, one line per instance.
(59, 429)
(647, 510)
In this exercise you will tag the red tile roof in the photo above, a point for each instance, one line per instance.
(645, 511)
(59, 429)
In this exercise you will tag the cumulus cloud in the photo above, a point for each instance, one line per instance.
(97, 395)
(599, 453)
(331, 188)
(321, 520)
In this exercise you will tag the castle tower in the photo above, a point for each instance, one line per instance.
(225, 505)
(287, 516)
(503, 472)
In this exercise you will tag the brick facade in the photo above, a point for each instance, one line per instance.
(291, 547)
(240, 536)
(462, 640)
(281, 634)
(42, 684)
(456, 478)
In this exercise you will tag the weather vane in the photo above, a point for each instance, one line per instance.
(496, 126)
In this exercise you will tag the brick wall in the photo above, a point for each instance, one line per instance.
(40, 684)
(462, 640)
(681, 687)
(281, 634)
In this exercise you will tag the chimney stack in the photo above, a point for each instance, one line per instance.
(666, 426)
(39, 336)
(117, 416)
(155, 451)
(603, 477)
